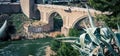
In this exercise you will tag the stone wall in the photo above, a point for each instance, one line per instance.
(10, 8)
(35, 29)
(39, 29)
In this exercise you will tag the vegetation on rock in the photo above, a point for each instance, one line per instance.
(15, 23)
(17, 20)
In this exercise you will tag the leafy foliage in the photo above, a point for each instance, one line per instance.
(14, 25)
(111, 21)
(74, 32)
(17, 21)
(67, 50)
(106, 5)
(60, 35)
(112, 6)
(63, 49)
(55, 45)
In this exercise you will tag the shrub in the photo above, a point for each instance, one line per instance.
(63, 49)
(74, 32)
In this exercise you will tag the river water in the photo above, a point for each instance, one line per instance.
(24, 47)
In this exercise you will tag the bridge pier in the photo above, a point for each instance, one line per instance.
(65, 31)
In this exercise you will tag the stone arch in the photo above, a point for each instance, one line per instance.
(79, 20)
(51, 12)
(37, 14)
(51, 18)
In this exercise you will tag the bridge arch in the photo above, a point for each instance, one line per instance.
(52, 12)
(80, 19)
(37, 14)
(56, 20)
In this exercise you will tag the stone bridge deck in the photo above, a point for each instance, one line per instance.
(77, 9)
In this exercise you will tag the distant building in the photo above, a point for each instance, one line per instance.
(8, 1)
(68, 0)
(64, 1)
(14, 0)
(60, 0)
(39, 1)
(56, 1)
(5, 0)
(9, 6)
(84, 0)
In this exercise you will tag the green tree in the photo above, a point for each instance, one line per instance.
(17, 20)
(112, 6)
(106, 5)
(63, 49)
(109, 20)
(67, 50)
(60, 35)
(55, 45)
(74, 32)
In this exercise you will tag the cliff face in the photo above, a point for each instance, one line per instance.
(27, 7)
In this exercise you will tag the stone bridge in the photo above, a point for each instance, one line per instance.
(69, 15)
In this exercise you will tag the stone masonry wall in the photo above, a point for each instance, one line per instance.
(10, 8)
(39, 29)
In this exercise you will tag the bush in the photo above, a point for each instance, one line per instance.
(60, 35)
(63, 49)
(74, 32)
(55, 45)
(109, 20)
(17, 20)
(14, 25)
(67, 50)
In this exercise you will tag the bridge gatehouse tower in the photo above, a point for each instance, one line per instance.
(27, 7)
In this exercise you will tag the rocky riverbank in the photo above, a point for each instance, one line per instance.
(30, 36)
(49, 52)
